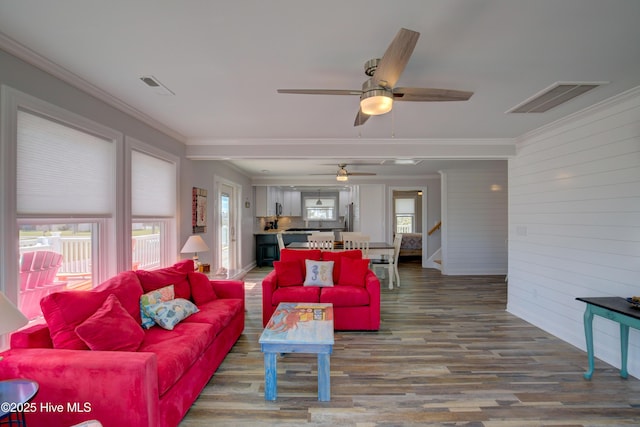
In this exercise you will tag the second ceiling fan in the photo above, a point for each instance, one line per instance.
(379, 91)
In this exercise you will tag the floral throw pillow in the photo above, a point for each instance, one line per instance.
(168, 314)
(319, 273)
(154, 297)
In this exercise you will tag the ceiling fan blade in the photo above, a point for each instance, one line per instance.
(395, 58)
(361, 118)
(425, 94)
(360, 173)
(321, 91)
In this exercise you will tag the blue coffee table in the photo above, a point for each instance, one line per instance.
(298, 328)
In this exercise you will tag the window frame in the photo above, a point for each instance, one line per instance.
(114, 228)
(168, 239)
(305, 208)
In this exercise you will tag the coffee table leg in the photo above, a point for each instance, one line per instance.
(324, 377)
(270, 376)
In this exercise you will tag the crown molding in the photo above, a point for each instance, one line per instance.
(19, 51)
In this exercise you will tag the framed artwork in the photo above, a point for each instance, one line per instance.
(199, 210)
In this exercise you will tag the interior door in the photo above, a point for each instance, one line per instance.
(227, 217)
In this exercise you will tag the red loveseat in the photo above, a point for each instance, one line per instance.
(133, 377)
(355, 294)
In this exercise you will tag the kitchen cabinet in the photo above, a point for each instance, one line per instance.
(266, 199)
(292, 203)
(266, 249)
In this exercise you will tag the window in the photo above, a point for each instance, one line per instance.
(64, 205)
(405, 215)
(153, 210)
(320, 208)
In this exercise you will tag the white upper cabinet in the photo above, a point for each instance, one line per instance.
(292, 204)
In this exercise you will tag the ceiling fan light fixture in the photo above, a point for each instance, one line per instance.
(376, 102)
(342, 175)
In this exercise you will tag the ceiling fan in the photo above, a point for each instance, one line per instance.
(379, 91)
(343, 174)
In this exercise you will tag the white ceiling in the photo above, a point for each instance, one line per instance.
(225, 60)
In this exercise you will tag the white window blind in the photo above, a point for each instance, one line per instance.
(153, 186)
(62, 170)
(405, 206)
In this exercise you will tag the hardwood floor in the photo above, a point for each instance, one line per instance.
(447, 354)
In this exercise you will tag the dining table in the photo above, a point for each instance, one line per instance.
(376, 250)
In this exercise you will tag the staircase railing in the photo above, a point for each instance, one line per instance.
(434, 228)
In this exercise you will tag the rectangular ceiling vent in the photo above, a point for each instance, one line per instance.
(155, 84)
(556, 94)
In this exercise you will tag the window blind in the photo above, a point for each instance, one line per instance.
(62, 170)
(405, 206)
(153, 186)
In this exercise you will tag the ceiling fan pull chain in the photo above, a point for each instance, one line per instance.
(393, 125)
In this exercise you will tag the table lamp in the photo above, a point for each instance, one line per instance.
(194, 245)
(11, 318)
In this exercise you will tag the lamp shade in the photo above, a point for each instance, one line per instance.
(194, 244)
(11, 318)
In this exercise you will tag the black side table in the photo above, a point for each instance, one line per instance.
(14, 401)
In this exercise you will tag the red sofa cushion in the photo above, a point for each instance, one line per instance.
(288, 273)
(300, 255)
(336, 257)
(353, 271)
(64, 311)
(217, 313)
(345, 296)
(176, 349)
(175, 275)
(296, 294)
(111, 328)
(201, 290)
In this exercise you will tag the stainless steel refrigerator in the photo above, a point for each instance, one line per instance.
(348, 217)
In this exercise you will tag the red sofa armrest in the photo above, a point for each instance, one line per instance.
(118, 388)
(269, 285)
(228, 288)
(36, 336)
(372, 284)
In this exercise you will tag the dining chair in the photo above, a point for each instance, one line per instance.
(280, 241)
(358, 242)
(317, 241)
(384, 262)
(345, 235)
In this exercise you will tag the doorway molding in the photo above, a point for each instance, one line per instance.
(234, 221)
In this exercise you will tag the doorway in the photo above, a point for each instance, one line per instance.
(408, 208)
(227, 224)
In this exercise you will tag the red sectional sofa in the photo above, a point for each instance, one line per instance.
(355, 293)
(133, 377)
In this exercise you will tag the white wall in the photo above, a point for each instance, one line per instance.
(574, 223)
(474, 221)
(372, 215)
(201, 174)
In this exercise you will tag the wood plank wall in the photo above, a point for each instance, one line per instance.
(574, 223)
(474, 220)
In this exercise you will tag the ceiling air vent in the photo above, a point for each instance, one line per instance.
(556, 94)
(155, 84)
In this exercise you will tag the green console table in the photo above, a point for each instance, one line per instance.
(612, 308)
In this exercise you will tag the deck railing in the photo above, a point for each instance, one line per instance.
(76, 251)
